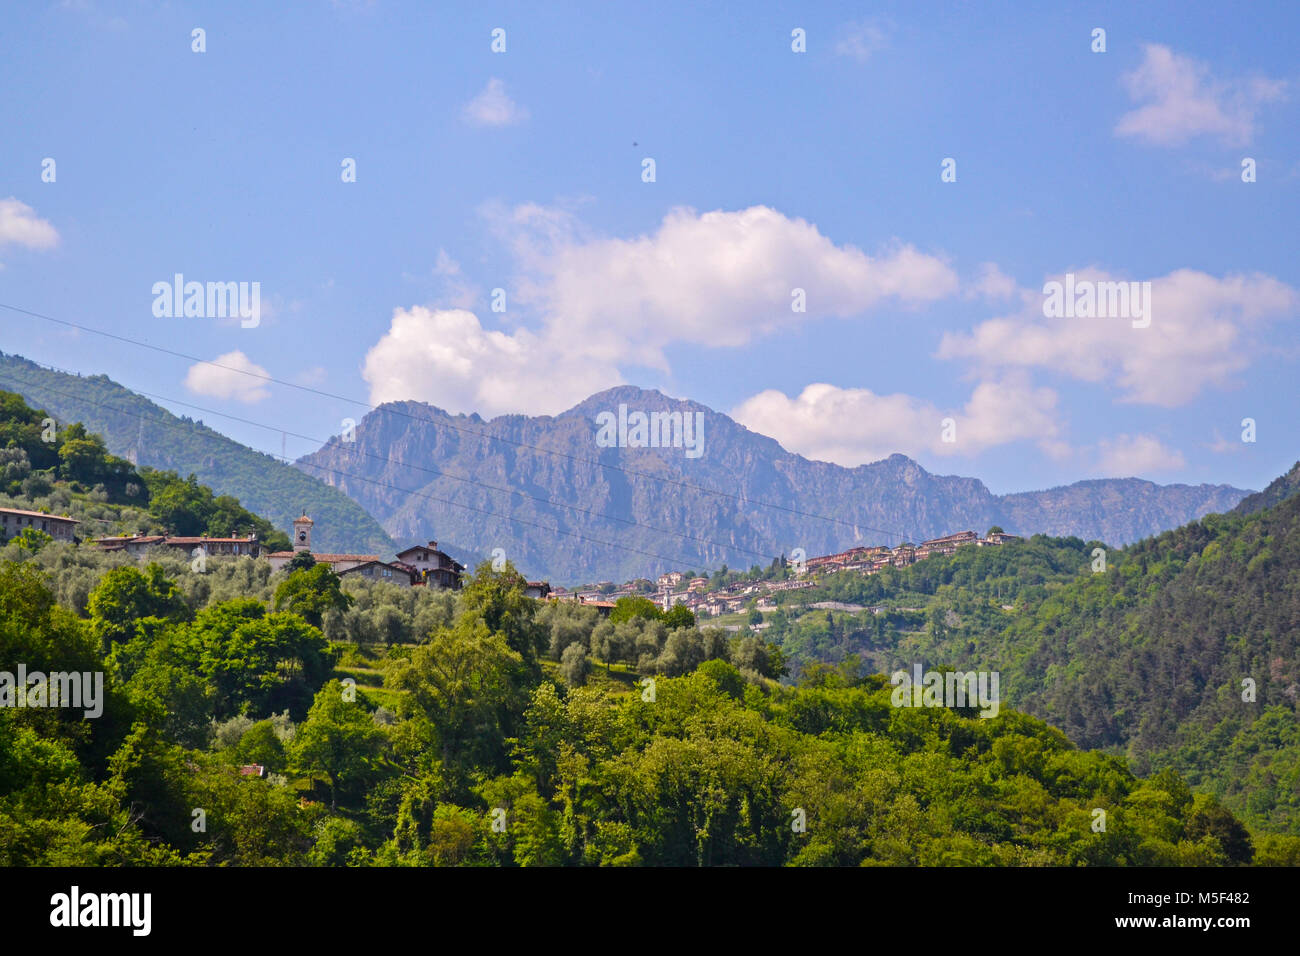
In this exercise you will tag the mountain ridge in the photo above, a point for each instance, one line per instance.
(1279, 489)
(745, 501)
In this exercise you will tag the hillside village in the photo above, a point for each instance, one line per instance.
(428, 566)
(416, 566)
(704, 599)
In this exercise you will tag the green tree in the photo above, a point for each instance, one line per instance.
(301, 561)
(339, 739)
(126, 595)
(497, 599)
(183, 506)
(311, 593)
(260, 744)
(535, 827)
(679, 615)
(32, 539)
(626, 608)
(82, 455)
(1209, 818)
(467, 683)
(257, 662)
(574, 666)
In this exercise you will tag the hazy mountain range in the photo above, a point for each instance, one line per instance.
(560, 506)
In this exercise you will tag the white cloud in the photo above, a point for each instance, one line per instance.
(853, 426)
(1200, 336)
(861, 40)
(716, 279)
(454, 290)
(1136, 456)
(19, 225)
(493, 107)
(228, 380)
(993, 283)
(1182, 100)
(447, 358)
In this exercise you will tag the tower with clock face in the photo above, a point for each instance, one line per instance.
(302, 533)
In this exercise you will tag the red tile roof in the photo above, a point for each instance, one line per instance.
(168, 540)
(38, 514)
(193, 540)
(328, 558)
(394, 565)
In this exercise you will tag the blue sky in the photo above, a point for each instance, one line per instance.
(774, 170)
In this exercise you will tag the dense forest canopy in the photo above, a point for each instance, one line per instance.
(514, 732)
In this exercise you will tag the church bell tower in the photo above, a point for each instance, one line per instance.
(302, 533)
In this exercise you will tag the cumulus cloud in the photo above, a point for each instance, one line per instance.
(853, 426)
(20, 226)
(1201, 335)
(1181, 100)
(446, 358)
(231, 375)
(718, 279)
(493, 107)
(1136, 456)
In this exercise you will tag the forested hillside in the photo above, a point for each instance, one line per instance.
(132, 425)
(1180, 651)
(481, 745)
(1185, 652)
(1278, 490)
(889, 617)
